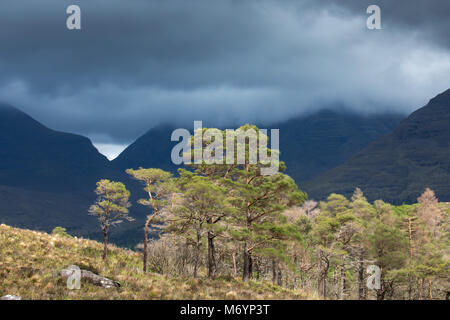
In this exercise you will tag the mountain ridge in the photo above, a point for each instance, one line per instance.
(398, 166)
(35, 156)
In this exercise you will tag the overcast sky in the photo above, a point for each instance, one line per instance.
(139, 63)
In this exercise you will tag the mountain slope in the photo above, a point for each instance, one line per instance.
(151, 150)
(42, 210)
(46, 177)
(35, 157)
(400, 165)
(316, 143)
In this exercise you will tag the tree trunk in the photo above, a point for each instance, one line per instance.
(250, 266)
(336, 281)
(197, 254)
(382, 291)
(420, 286)
(258, 269)
(279, 277)
(247, 259)
(274, 272)
(294, 285)
(246, 264)
(105, 244)
(430, 289)
(145, 246)
(211, 256)
(361, 291)
(361, 284)
(146, 227)
(324, 285)
(409, 288)
(342, 283)
(410, 232)
(234, 264)
(319, 280)
(324, 279)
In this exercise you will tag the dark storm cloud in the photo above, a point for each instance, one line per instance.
(429, 17)
(138, 63)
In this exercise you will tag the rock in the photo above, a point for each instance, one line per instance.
(98, 280)
(90, 277)
(10, 297)
(231, 295)
(67, 272)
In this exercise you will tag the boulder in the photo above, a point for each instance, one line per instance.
(10, 297)
(90, 277)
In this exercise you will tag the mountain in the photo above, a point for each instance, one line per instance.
(151, 150)
(33, 156)
(46, 176)
(400, 165)
(309, 144)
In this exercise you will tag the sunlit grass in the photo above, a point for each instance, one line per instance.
(30, 262)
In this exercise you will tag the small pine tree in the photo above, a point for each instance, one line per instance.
(60, 231)
(111, 207)
(158, 188)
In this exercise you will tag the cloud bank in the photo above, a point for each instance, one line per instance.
(139, 63)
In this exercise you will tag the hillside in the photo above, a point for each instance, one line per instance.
(400, 165)
(30, 262)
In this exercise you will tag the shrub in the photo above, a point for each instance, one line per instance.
(60, 231)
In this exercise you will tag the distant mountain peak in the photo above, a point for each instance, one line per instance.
(443, 97)
(34, 156)
(7, 108)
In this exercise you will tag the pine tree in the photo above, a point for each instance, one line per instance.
(111, 207)
(158, 188)
(200, 201)
(430, 245)
(332, 233)
(364, 213)
(260, 199)
(259, 221)
(213, 166)
(388, 246)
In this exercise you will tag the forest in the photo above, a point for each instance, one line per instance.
(217, 220)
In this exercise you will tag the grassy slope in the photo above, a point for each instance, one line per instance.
(30, 261)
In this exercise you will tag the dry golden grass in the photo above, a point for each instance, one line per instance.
(30, 262)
